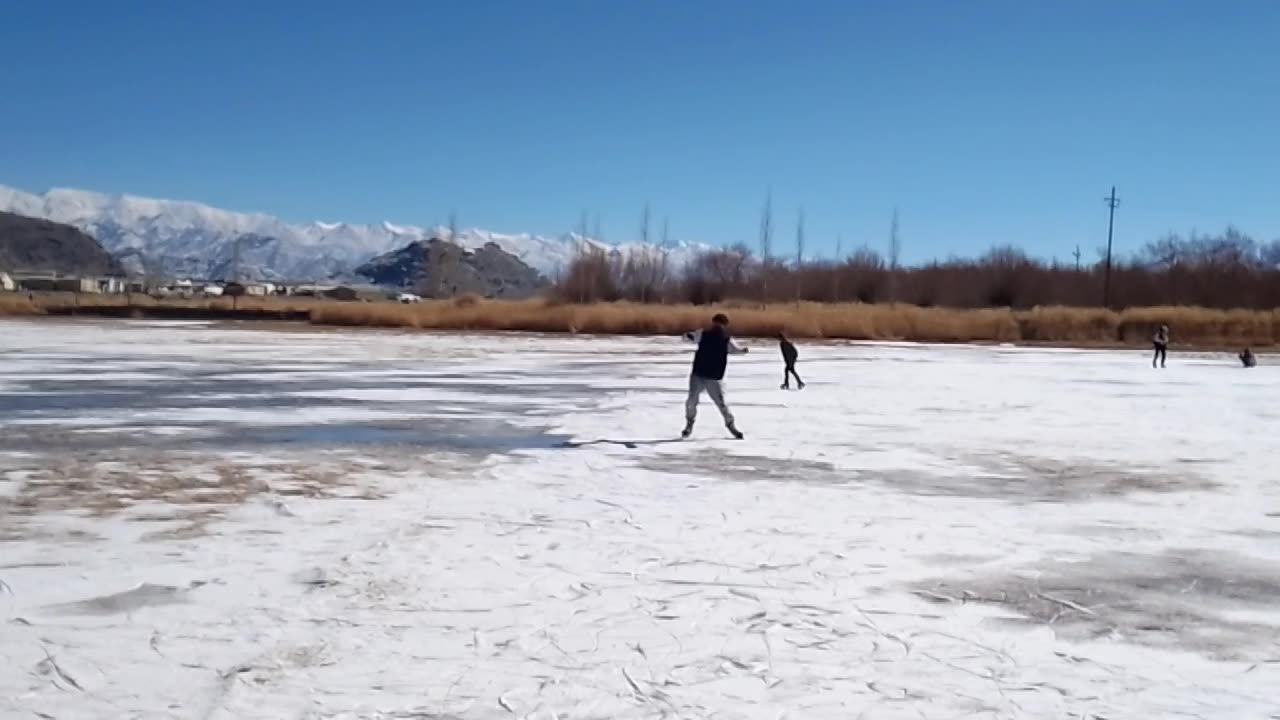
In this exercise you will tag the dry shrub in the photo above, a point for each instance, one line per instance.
(17, 304)
(1200, 325)
(851, 321)
(1050, 324)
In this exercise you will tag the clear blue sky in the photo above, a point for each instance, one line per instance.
(986, 122)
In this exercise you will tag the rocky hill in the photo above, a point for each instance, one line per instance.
(435, 268)
(33, 245)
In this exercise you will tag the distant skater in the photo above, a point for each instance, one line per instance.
(1161, 342)
(1247, 358)
(789, 357)
(709, 363)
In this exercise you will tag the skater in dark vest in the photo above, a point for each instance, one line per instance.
(1247, 358)
(789, 356)
(709, 363)
(1161, 342)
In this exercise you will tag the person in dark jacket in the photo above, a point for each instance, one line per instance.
(709, 363)
(1248, 359)
(1161, 343)
(789, 357)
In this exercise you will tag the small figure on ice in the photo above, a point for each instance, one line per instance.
(1248, 359)
(709, 363)
(1161, 343)
(789, 357)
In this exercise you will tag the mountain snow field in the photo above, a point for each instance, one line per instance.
(189, 239)
(207, 521)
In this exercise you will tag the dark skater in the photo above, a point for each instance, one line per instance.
(789, 357)
(1161, 342)
(709, 363)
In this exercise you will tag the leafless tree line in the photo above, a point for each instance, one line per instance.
(1224, 270)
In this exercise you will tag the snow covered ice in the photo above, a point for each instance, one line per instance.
(222, 522)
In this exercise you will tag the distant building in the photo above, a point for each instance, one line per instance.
(408, 298)
(343, 293)
(7, 283)
(310, 289)
(77, 285)
(111, 285)
(212, 290)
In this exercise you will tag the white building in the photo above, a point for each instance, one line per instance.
(6, 283)
(111, 285)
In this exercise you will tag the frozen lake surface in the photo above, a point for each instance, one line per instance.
(216, 522)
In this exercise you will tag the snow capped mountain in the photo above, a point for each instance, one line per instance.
(178, 238)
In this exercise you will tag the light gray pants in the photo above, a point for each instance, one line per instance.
(714, 389)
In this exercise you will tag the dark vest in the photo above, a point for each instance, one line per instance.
(713, 354)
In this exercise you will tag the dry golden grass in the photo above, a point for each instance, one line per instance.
(1190, 326)
(88, 302)
(17, 304)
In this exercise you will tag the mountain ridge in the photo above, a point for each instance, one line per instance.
(185, 238)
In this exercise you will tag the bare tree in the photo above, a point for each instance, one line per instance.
(577, 269)
(895, 250)
(666, 234)
(645, 267)
(766, 246)
(837, 268)
(453, 227)
(596, 233)
(1269, 254)
(800, 254)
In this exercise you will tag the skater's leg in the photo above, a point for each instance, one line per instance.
(716, 391)
(791, 369)
(1164, 354)
(786, 378)
(1155, 357)
(696, 386)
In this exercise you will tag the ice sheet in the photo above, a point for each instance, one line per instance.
(921, 532)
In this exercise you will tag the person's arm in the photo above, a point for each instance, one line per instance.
(693, 336)
(734, 349)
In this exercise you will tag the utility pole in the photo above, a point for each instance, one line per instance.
(1077, 256)
(435, 266)
(1112, 202)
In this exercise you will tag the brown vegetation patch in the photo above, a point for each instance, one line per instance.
(17, 304)
(173, 490)
(1075, 326)
(1191, 326)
